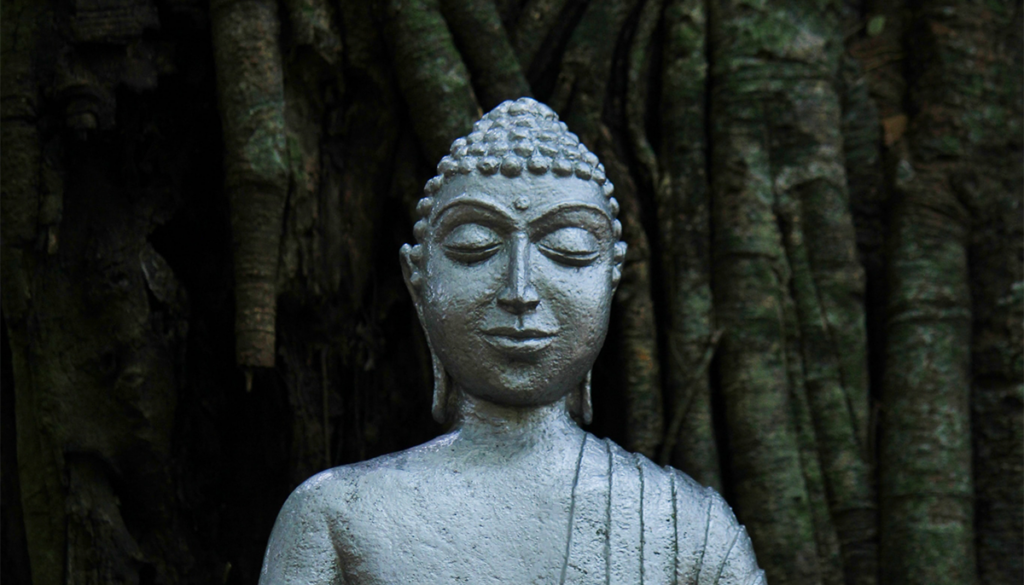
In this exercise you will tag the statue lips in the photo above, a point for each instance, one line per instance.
(519, 341)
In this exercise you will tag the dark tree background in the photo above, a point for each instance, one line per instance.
(821, 312)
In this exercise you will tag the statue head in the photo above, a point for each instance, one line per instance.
(517, 257)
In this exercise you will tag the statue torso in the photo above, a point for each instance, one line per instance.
(433, 514)
(436, 515)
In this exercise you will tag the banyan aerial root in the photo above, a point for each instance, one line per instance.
(251, 89)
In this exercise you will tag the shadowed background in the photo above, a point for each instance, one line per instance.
(820, 313)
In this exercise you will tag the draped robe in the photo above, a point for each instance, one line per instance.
(630, 521)
(636, 522)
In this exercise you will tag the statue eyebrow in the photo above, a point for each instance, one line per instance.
(569, 207)
(466, 200)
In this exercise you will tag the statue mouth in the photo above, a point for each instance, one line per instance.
(519, 340)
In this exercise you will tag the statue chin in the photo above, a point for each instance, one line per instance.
(516, 262)
(522, 388)
(518, 396)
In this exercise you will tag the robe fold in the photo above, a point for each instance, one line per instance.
(635, 522)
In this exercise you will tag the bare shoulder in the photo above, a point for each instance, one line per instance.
(311, 540)
(337, 492)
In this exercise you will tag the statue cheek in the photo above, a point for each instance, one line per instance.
(586, 287)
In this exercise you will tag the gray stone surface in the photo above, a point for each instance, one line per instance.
(517, 258)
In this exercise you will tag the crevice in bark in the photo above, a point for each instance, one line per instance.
(14, 559)
(541, 57)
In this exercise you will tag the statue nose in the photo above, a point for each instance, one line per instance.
(518, 295)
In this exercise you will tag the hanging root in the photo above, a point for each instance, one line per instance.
(431, 75)
(686, 398)
(751, 145)
(832, 459)
(636, 89)
(682, 206)
(492, 63)
(249, 81)
(950, 515)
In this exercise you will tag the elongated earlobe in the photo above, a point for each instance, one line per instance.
(587, 405)
(579, 403)
(442, 390)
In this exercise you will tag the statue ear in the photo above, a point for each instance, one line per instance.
(443, 404)
(579, 403)
(411, 259)
(618, 258)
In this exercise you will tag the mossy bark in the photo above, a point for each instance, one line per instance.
(493, 66)
(925, 491)
(533, 26)
(825, 537)
(684, 225)
(749, 285)
(431, 74)
(926, 488)
(828, 288)
(993, 184)
(970, 108)
(843, 463)
(777, 150)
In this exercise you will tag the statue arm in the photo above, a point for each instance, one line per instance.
(740, 567)
(301, 548)
(739, 564)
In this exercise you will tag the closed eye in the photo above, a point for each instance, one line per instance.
(470, 243)
(571, 246)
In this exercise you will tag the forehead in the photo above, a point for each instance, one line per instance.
(526, 196)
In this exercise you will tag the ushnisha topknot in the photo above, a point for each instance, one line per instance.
(518, 137)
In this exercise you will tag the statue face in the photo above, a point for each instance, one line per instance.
(515, 287)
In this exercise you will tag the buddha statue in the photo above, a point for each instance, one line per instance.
(517, 257)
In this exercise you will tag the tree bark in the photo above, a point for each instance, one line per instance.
(431, 75)
(684, 224)
(926, 486)
(495, 71)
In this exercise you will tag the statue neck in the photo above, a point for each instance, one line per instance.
(515, 429)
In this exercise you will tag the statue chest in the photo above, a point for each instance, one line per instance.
(477, 526)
